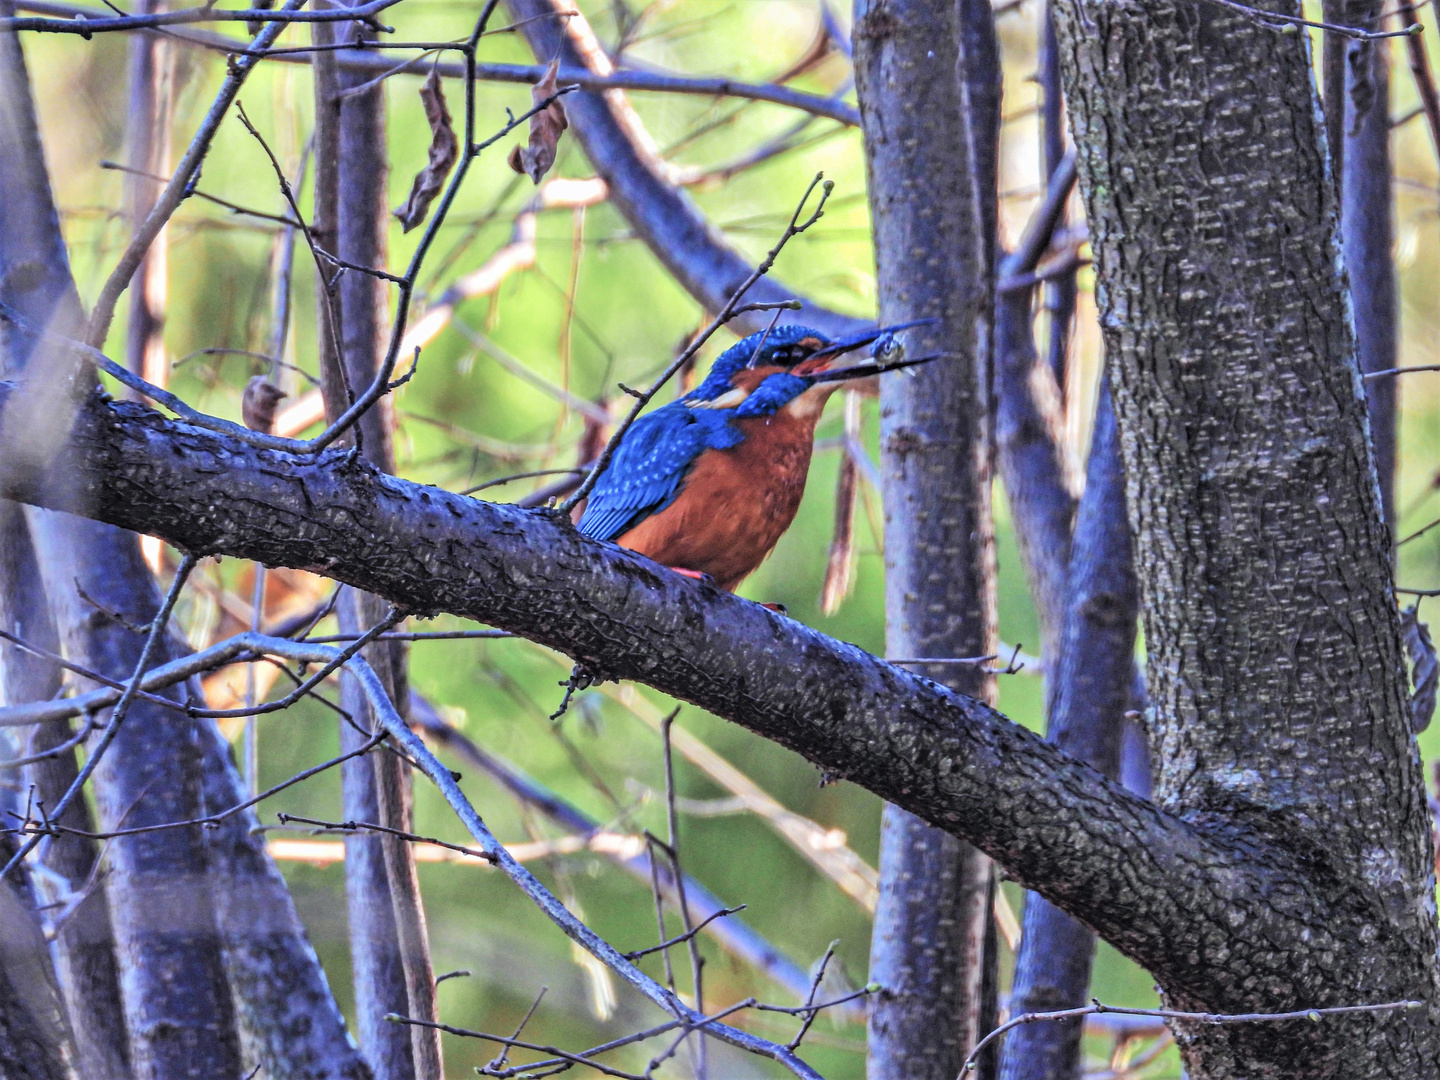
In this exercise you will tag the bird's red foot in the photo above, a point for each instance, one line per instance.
(696, 574)
(781, 608)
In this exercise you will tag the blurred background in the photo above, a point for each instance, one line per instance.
(562, 303)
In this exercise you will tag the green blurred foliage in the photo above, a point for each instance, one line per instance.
(628, 317)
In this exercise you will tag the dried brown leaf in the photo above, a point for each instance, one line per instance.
(259, 402)
(839, 567)
(546, 125)
(444, 149)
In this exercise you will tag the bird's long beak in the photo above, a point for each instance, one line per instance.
(865, 337)
(864, 371)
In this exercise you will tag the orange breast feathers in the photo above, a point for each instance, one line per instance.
(737, 503)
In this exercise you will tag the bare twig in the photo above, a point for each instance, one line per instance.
(179, 186)
(1400, 371)
(1277, 21)
(795, 228)
(127, 697)
(687, 935)
(360, 57)
(212, 820)
(1420, 72)
(234, 208)
(1313, 1015)
(498, 1062)
(276, 20)
(372, 394)
(672, 850)
(370, 826)
(519, 476)
(577, 931)
(341, 657)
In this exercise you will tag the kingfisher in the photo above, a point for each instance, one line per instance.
(708, 484)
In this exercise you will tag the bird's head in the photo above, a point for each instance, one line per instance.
(798, 350)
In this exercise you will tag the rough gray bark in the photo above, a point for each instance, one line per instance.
(389, 950)
(32, 1020)
(84, 939)
(1276, 677)
(289, 1022)
(176, 1000)
(1092, 690)
(927, 152)
(33, 1033)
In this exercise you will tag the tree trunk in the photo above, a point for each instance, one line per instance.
(289, 1022)
(147, 133)
(84, 938)
(1278, 688)
(389, 947)
(1092, 678)
(177, 1002)
(934, 228)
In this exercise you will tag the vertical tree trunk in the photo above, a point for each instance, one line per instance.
(84, 940)
(34, 1039)
(177, 1002)
(390, 951)
(1092, 680)
(147, 132)
(930, 161)
(1059, 293)
(288, 1019)
(32, 1020)
(1277, 682)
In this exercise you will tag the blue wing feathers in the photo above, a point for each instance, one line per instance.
(649, 468)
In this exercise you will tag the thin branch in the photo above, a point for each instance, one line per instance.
(212, 820)
(360, 57)
(444, 780)
(234, 208)
(688, 934)
(498, 1062)
(277, 20)
(370, 826)
(795, 228)
(127, 697)
(1313, 1015)
(1275, 20)
(794, 1044)
(1399, 371)
(340, 658)
(179, 186)
(520, 476)
(81, 701)
(363, 403)
(1420, 72)
(672, 850)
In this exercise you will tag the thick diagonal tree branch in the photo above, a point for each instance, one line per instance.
(1151, 884)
